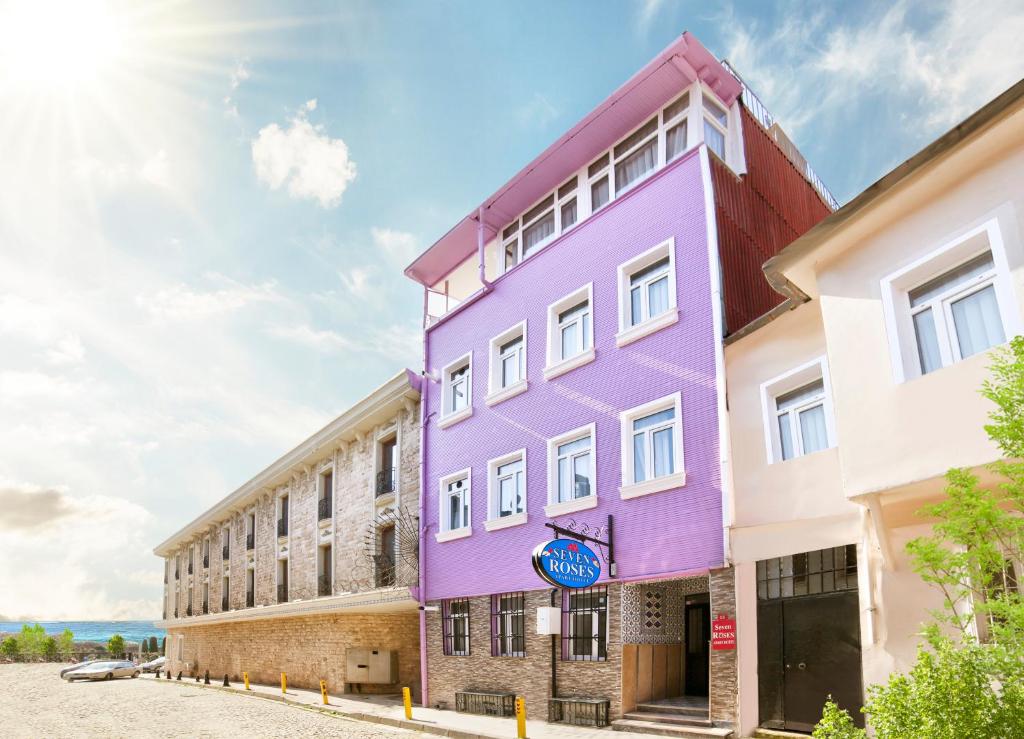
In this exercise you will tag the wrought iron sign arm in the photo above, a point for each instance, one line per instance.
(610, 543)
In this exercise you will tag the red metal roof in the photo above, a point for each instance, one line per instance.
(680, 64)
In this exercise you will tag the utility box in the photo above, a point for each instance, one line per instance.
(549, 620)
(371, 666)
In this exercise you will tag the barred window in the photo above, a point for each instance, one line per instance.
(809, 573)
(455, 626)
(585, 624)
(508, 625)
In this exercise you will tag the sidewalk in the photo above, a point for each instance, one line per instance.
(388, 710)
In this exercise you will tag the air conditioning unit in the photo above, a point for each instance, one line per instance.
(371, 666)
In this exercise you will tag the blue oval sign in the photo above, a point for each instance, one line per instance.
(567, 563)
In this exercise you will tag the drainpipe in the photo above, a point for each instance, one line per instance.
(424, 397)
(480, 248)
(554, 648)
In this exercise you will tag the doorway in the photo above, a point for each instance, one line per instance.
(808, 637)
(698, 644)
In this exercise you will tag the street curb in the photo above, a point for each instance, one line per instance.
(332, 711)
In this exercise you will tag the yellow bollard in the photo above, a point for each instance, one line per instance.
(407, 700)
(520, 717)
(323, 690)
(284, 683)
(245, 677)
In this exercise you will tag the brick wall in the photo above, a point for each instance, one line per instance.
(528, 676)
(723, 688)
(307, 648)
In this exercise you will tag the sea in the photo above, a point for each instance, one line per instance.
(99, 631)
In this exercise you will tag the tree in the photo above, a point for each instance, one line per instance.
(66, 644)
(963, 685)
(115, 645)
(152, 645)
(9, 648)
(50, 650)
(30, 641)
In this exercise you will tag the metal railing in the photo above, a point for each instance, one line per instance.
(250, 599)
(384, 574)
(385, 481)
(282, 527)
(323, 508)
(224, 602)
(250, 542)
(282, 593)
(225, 552)
(763, 116)
(324, 585)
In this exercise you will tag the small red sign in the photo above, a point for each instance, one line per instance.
(723, 632)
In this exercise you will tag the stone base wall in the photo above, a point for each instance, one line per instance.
(723, 688)
(528, 676)
(307, 648)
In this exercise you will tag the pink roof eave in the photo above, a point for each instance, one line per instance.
(680, 64)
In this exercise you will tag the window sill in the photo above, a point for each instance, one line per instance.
(506, 392)
(657, 485)
(570, 506)
(325, 523)
(453, 418)
(462, 533)
(494, 524)
(554, 370)
(385, 499)
(648, 327)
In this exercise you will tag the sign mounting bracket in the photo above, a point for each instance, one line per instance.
(609, 544)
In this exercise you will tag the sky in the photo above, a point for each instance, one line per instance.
(206, 208)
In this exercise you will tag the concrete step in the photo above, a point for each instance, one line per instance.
(683, 732)
(669, 718)
(778, 734)
(700, 712)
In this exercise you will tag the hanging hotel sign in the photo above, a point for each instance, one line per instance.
(566, 563)
(723, 632)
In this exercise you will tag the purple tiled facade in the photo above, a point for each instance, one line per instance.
(666, 533)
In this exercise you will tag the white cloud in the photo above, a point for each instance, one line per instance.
(537, 112)
(239, 74)
(183, 302)
(396, 341)
(647, 11)
(68, 350)
(357, 281)
(399, 247)
(303, 158)
(156, 170)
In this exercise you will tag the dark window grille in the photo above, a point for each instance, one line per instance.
(224, 602)
(324, 585)
(206, 561)
(250, 541)
(585, 624)
(809, 573)
(250, 599)
(323, 511)
(455, 626)
(188, 611)
(386, 481)
(282, 593)
(206, 607)
(508, 625)
(190, 568)
(282, 527)
(225, 552)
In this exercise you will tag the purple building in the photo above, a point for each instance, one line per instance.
(574, 332)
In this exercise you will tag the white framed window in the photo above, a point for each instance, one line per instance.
(950, 304)
(456, 391)
(507, 365)
(636, 156)
(647, 293)
(599, 177)
(716, 126)
(455, 506)
(652, 447)
(674, 120)
(506, 491)
(570, 341)
(572, 471)
(797, 410)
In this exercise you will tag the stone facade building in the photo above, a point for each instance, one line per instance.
(574, 352)
(313, 558)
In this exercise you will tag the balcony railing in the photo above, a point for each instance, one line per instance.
(282, 527)
(282, 593)
(206, 561)
(250, 542)
(323, 509)
(224, 602)
(225, 553)
(384, 571)
(324, 585)
(250, 599)
(206, 607)
(386, 481)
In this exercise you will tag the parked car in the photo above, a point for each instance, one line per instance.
(154, 664)
(77, 666)
(104, 671)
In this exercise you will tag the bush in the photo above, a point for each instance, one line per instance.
(836, 723)
(115, 646)
(9, 648)
(30, 641)
(50, 650)
(66, 644)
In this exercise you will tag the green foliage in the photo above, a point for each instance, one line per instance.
(152, 645)
(115, 645)
(50, 650)
(9, 648)
(948, 694)
(30, 641)
(836, 723)
(66, 644)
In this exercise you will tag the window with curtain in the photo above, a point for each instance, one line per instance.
(654, 445)
(956, 314)
(636, 156)
(800, 417)
(538, 225)
(716, 122)
(649, 292)
(574, 469)
(457, 504)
